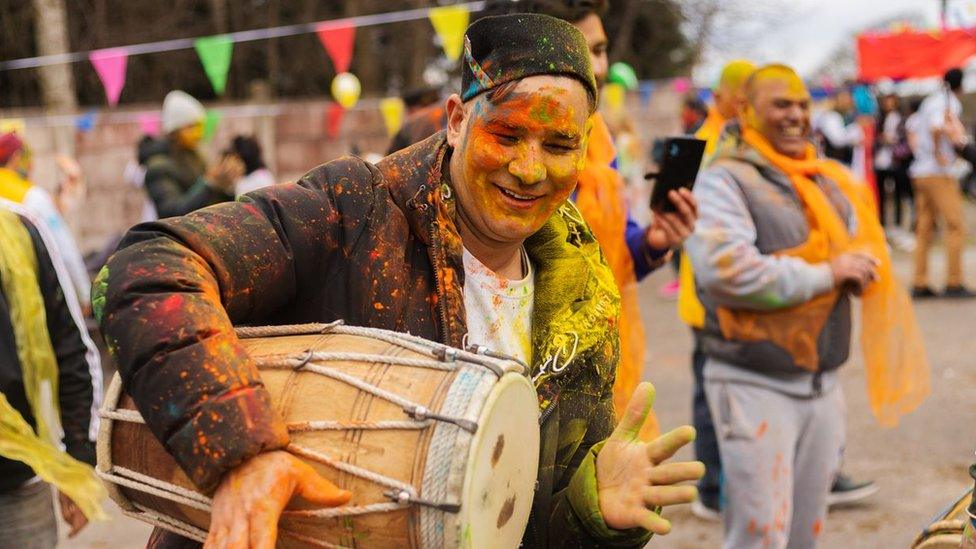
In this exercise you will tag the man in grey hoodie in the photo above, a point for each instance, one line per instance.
(778, 410)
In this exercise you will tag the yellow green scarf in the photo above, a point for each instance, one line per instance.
(18, 276)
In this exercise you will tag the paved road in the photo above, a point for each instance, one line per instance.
(920, 465)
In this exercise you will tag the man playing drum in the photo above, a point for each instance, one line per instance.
(427, 241)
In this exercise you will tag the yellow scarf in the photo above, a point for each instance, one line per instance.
(18, 275)
(13, 187)
(894, 353)
(600, 198)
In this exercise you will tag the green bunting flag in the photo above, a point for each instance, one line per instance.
(210, 124)
(215, 53)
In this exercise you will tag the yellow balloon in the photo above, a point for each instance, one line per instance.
(346, 89)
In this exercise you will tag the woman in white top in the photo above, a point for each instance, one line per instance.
(256, 174)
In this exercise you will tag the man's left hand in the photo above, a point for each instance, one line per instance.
(631, 476)
(670, 229)
(72, 514)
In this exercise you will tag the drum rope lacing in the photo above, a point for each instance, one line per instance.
(402, 495)
(446, 353)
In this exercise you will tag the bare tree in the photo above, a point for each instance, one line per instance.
(726, 25)
(57, 81)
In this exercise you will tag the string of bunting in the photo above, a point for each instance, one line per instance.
(215, 52)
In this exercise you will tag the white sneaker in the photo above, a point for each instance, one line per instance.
(705, 513)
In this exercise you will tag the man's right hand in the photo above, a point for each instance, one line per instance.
(251, 497)
(853, 271)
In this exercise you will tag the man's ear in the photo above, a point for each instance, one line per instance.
(456, 116)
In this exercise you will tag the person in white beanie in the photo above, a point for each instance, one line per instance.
(177, 178)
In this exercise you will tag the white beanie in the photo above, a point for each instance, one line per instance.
(180, 110)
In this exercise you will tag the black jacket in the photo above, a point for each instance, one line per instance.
(75, 389)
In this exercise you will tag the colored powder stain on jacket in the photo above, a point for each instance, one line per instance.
(761, 430)
(412, 222)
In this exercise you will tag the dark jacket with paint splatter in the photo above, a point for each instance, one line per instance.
(376, 246)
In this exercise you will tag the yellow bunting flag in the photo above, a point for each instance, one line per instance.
(15, 125)
(392, 109)
(613, 96)
(450, 22)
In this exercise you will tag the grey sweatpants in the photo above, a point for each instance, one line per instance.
(27, 518)
(779, 456)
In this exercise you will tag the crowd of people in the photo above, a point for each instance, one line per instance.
(513, 181)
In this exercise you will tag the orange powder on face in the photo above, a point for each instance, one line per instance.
(512, 138)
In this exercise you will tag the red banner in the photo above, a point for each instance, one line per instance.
(913, 54)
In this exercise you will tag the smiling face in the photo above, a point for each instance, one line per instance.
(517, 155)
(779, 109)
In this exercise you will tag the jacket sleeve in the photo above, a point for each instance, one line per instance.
(730, 267)
(169, 197)
(576, 520)
(76, 392)
(168, 298)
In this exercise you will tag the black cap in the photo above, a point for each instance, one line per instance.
(953, 77)
(512, 47)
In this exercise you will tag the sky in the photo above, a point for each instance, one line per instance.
(807, 32)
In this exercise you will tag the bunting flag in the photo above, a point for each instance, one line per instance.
(449, 23)
(681, 84)
(110, 64)
(645, 88)
(338, 39)
(215, 53)
(613, 96)
(393, 110)
(85, 122)
(704, 95)
(15, 125)
(210, 123)
(150, 123)
(333, 119)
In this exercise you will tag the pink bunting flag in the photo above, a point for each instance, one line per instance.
(110, 64)
(338, 38)
(681, 84)
(150, 123)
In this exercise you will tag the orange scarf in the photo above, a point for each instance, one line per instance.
(894, 353)
(600, 198)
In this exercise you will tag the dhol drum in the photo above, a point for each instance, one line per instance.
(439, 446)
(945, 531)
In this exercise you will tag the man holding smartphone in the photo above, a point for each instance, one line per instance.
(784, 241)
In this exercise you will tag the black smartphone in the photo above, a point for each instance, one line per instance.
(680, 158)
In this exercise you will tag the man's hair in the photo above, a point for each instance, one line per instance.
(953, 78)
(567, 10)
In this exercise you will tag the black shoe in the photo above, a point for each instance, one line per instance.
(923, 292)
(958, 292)
(846, 490)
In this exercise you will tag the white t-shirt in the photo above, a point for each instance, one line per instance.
(931, 116)
(258, 179)
(499, 310)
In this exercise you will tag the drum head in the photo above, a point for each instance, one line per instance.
(502, 467)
